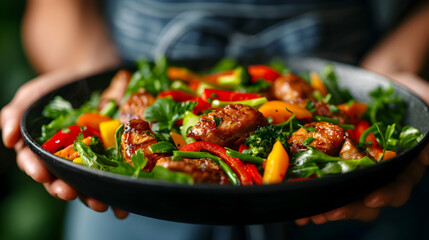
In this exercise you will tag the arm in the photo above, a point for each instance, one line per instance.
(401, 57)
(64, 40)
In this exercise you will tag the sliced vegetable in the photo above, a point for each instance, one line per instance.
(277, 165)
(264, 72)
(281, 111)
(355, 110)
(62, 138)
(254, 173)
(69, 153)
(224, 95)
(256, 102)
(92, 120)
(235, 163)
(178, 140)
(244, 157)
(189, 121)
(176, 95)
(184, 74)
(192, 154)
(317, 84)
(107, 131)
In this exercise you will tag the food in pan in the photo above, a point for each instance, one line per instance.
(231, 124)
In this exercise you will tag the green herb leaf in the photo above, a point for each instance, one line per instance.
(329, 78)
(139, 162)
(308, 141)
(165, 112)
(218, 121)
(409, 137)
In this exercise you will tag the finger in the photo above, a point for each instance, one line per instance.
(319, 219)
(424, 156)
(25, 96)
(94, 204)
(29, 164)
(398, 192)
(302, 221)
(10, 125)
(120, 214)
(61, 190)
(355, 211)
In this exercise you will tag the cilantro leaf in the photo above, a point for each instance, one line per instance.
(165, 112)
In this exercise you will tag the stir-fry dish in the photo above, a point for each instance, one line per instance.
(231, 124)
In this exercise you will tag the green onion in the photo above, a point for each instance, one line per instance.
(163, 147)
(244, 157)
(256, 102)
(228, 171)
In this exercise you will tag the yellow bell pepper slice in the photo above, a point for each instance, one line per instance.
(107, 131)
(276, 165)
(78, 160)
(278, 111)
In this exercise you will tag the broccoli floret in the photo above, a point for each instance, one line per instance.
(262, 140)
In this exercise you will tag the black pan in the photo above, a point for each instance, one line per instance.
(207, 204)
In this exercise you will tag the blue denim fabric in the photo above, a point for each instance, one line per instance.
(188, 30)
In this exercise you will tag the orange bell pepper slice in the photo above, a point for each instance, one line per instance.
(276, 165)
(92, 120)
(317, 83)
(281, 111)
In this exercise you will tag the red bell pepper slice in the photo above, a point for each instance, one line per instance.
(361, 126)
(234, 163)
(224, 95)
(201, 106)
(243, 147)
(62, 138)
(176, 95)
(264, 72)
(214, 78)
(253, 172)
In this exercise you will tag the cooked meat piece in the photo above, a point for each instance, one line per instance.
(201, 170)
(322, 109)
(116, 89)
(135, 105)
(349, 149)
(292, 88)
(138, 135)
(228, 126)
(327, 138)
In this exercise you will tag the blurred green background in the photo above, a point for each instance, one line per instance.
(27, 211)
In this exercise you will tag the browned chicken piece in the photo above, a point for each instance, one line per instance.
(138, 135)
(201, 170)
(135, 106)
(228, 126)
(292, 88)
(322, 109)
(327, 138)
(349, 149)
(116, 89)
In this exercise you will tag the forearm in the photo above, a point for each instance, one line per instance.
(66, 34)
(406, 49)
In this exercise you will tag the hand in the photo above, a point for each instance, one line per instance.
(394, 194)
(27, 162)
